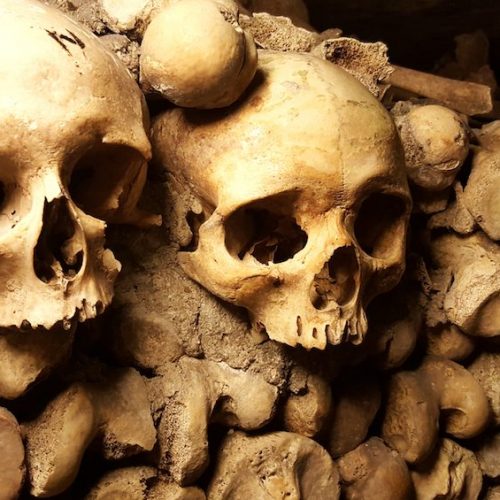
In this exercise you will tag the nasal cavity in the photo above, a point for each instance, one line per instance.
(338, 281)
(59, 250)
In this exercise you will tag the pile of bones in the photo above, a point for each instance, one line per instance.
(302, 300)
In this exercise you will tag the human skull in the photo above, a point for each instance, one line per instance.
(73, 152)
(304, 196)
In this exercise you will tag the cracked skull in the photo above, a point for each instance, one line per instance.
(304, 203)
(73, 152)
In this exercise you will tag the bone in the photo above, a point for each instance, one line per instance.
(430, 202)
(488, 455)
(114, 410)
(307, 413)
(470, 300)
(455, 216)
(373, 470)
(481, 192)
(195, 54)
(493, 493)
(356, 403)
(129, 17)
(440, 392)
(485, 369)
(27, 357)
(57, 440)
(435, 142)
(138, 483)
(295, 10)
(408, 427)
(212, 393)
(395, 343)
(450, 472)
(12, 467)
(367, 62)
(322, 291)
(54, 266)
(278, 33)
(275, 465)
(464, 97)
(395, 324)
(144, 340)
(448, 341)
(123, 412)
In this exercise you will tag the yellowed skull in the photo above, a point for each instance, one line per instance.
(73, 153)
(304, 196)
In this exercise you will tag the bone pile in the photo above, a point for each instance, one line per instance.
(243, 259)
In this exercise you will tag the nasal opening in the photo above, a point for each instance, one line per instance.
(337, 282)
(59, 250)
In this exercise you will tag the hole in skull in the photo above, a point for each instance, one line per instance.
(106, 178)
(337, 282)
(380, 223)
(59, 250)
(264, 234)
(3, 195)
(195, 221)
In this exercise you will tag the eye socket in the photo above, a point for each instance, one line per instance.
(379, 224)
(105, 178)
(15, 203)
(266, 231)
(3, 195)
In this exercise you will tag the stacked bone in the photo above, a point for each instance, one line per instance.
(413, 410)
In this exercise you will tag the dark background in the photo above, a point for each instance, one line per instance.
(417, 32)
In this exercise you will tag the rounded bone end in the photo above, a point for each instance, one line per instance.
(356, 403)
(195, 54)
(462, 400)
(306, 414)
(140, 482)
(449, 342)
(485, 369)
(373, 470)
(12, 468)
(435, 141)
(450, 472)
(411, 416)
(275, 465)
(57, 439)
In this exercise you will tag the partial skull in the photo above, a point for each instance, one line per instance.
(73, 153)
(304, 199)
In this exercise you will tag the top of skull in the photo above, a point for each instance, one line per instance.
(300, 111)
(56, 77)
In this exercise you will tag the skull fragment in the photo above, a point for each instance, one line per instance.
(73, 153)
(304, 199)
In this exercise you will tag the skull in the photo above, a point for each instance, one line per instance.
(73, 152)
(304, 203)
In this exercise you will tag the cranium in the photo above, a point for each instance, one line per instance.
(73, 152)
(304, 196)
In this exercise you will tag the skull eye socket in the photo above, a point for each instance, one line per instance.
(380, 223)
(265, 232)
(15, 202)
(105, 178)
(2, 195)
